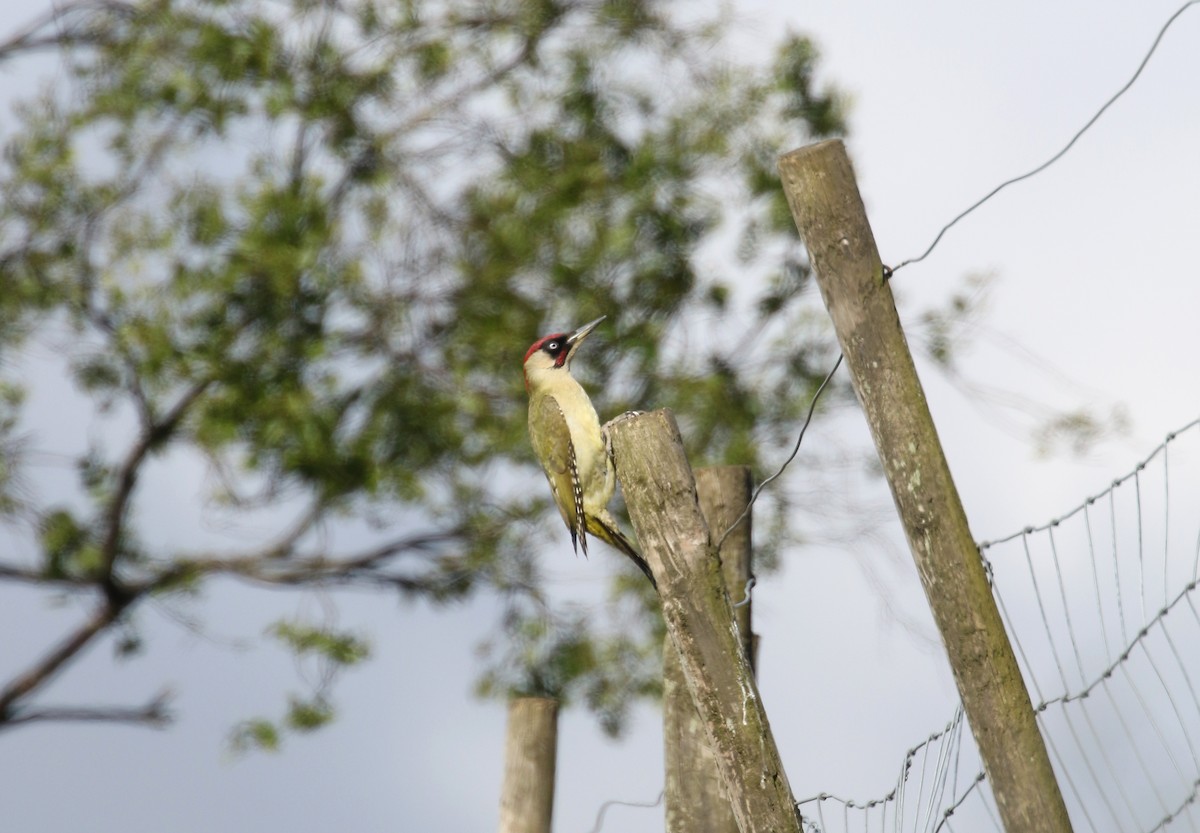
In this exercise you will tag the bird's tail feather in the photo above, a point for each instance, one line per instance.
(606, 530)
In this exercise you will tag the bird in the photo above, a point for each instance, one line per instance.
(571, 446)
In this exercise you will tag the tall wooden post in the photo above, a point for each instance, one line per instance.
(530, 752)
(695, 798)
(661, 495)
(828, 210)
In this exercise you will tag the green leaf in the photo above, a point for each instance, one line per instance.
(339, 648)
(308, 715)
(310, 249)
(257, 734)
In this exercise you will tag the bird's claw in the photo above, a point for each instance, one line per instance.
(622, 418)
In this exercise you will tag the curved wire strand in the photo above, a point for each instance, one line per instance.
(1095, 118)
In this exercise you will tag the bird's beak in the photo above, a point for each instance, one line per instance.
(576, 338)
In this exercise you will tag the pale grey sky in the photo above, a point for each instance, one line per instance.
(1095, 265)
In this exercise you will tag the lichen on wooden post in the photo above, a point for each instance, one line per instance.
(660, 493)
(696, 801)
(828, 210)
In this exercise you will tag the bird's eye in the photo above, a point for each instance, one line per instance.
(552, 346)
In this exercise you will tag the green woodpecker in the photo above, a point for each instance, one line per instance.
(570, 444)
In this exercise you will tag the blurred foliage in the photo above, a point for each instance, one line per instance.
(573, 657)
(947, 330)
(255, 734)
(333, 647)
(328, 652)
(950, 332)
(309, 242)
(1080, 430)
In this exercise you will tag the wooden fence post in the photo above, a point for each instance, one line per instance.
(695, 799)
(530, 751)
(828, 210)
(660, 493)
(724, 493)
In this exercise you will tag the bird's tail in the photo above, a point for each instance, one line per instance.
(605, 528)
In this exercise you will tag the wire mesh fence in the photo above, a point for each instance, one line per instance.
(1101, 606)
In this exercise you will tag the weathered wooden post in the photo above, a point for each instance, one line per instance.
(530, 752)
(829, 213)
(660, 493)
(695, 798)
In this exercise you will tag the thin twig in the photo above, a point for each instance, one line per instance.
(265, 567)
(51, 663)
(52, 30)
(152, 435)
(154, 714)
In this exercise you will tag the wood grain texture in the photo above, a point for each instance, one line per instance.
(696, 801)
(828, 210)
(530, 753)
(660, 493)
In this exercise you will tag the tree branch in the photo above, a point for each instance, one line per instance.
(366, 565)
(33, 575)
(153, 714)
(152, 435)
(51, 663)
(267, 567)
(56, 29)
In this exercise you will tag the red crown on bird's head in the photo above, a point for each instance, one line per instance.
(541, 342)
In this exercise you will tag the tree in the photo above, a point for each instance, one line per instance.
(306, 244)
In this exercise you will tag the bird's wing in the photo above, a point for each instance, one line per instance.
(552, 439)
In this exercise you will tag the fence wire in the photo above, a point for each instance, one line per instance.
(1061, 153)
(1101, 606)
(1122, 728)
(937, 787)
(1099, 648)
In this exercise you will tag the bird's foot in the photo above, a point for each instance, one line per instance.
(622, 418)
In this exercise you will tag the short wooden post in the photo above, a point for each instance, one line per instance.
(695, 798)
(829, 213)
(530, 750)
(661, 495)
